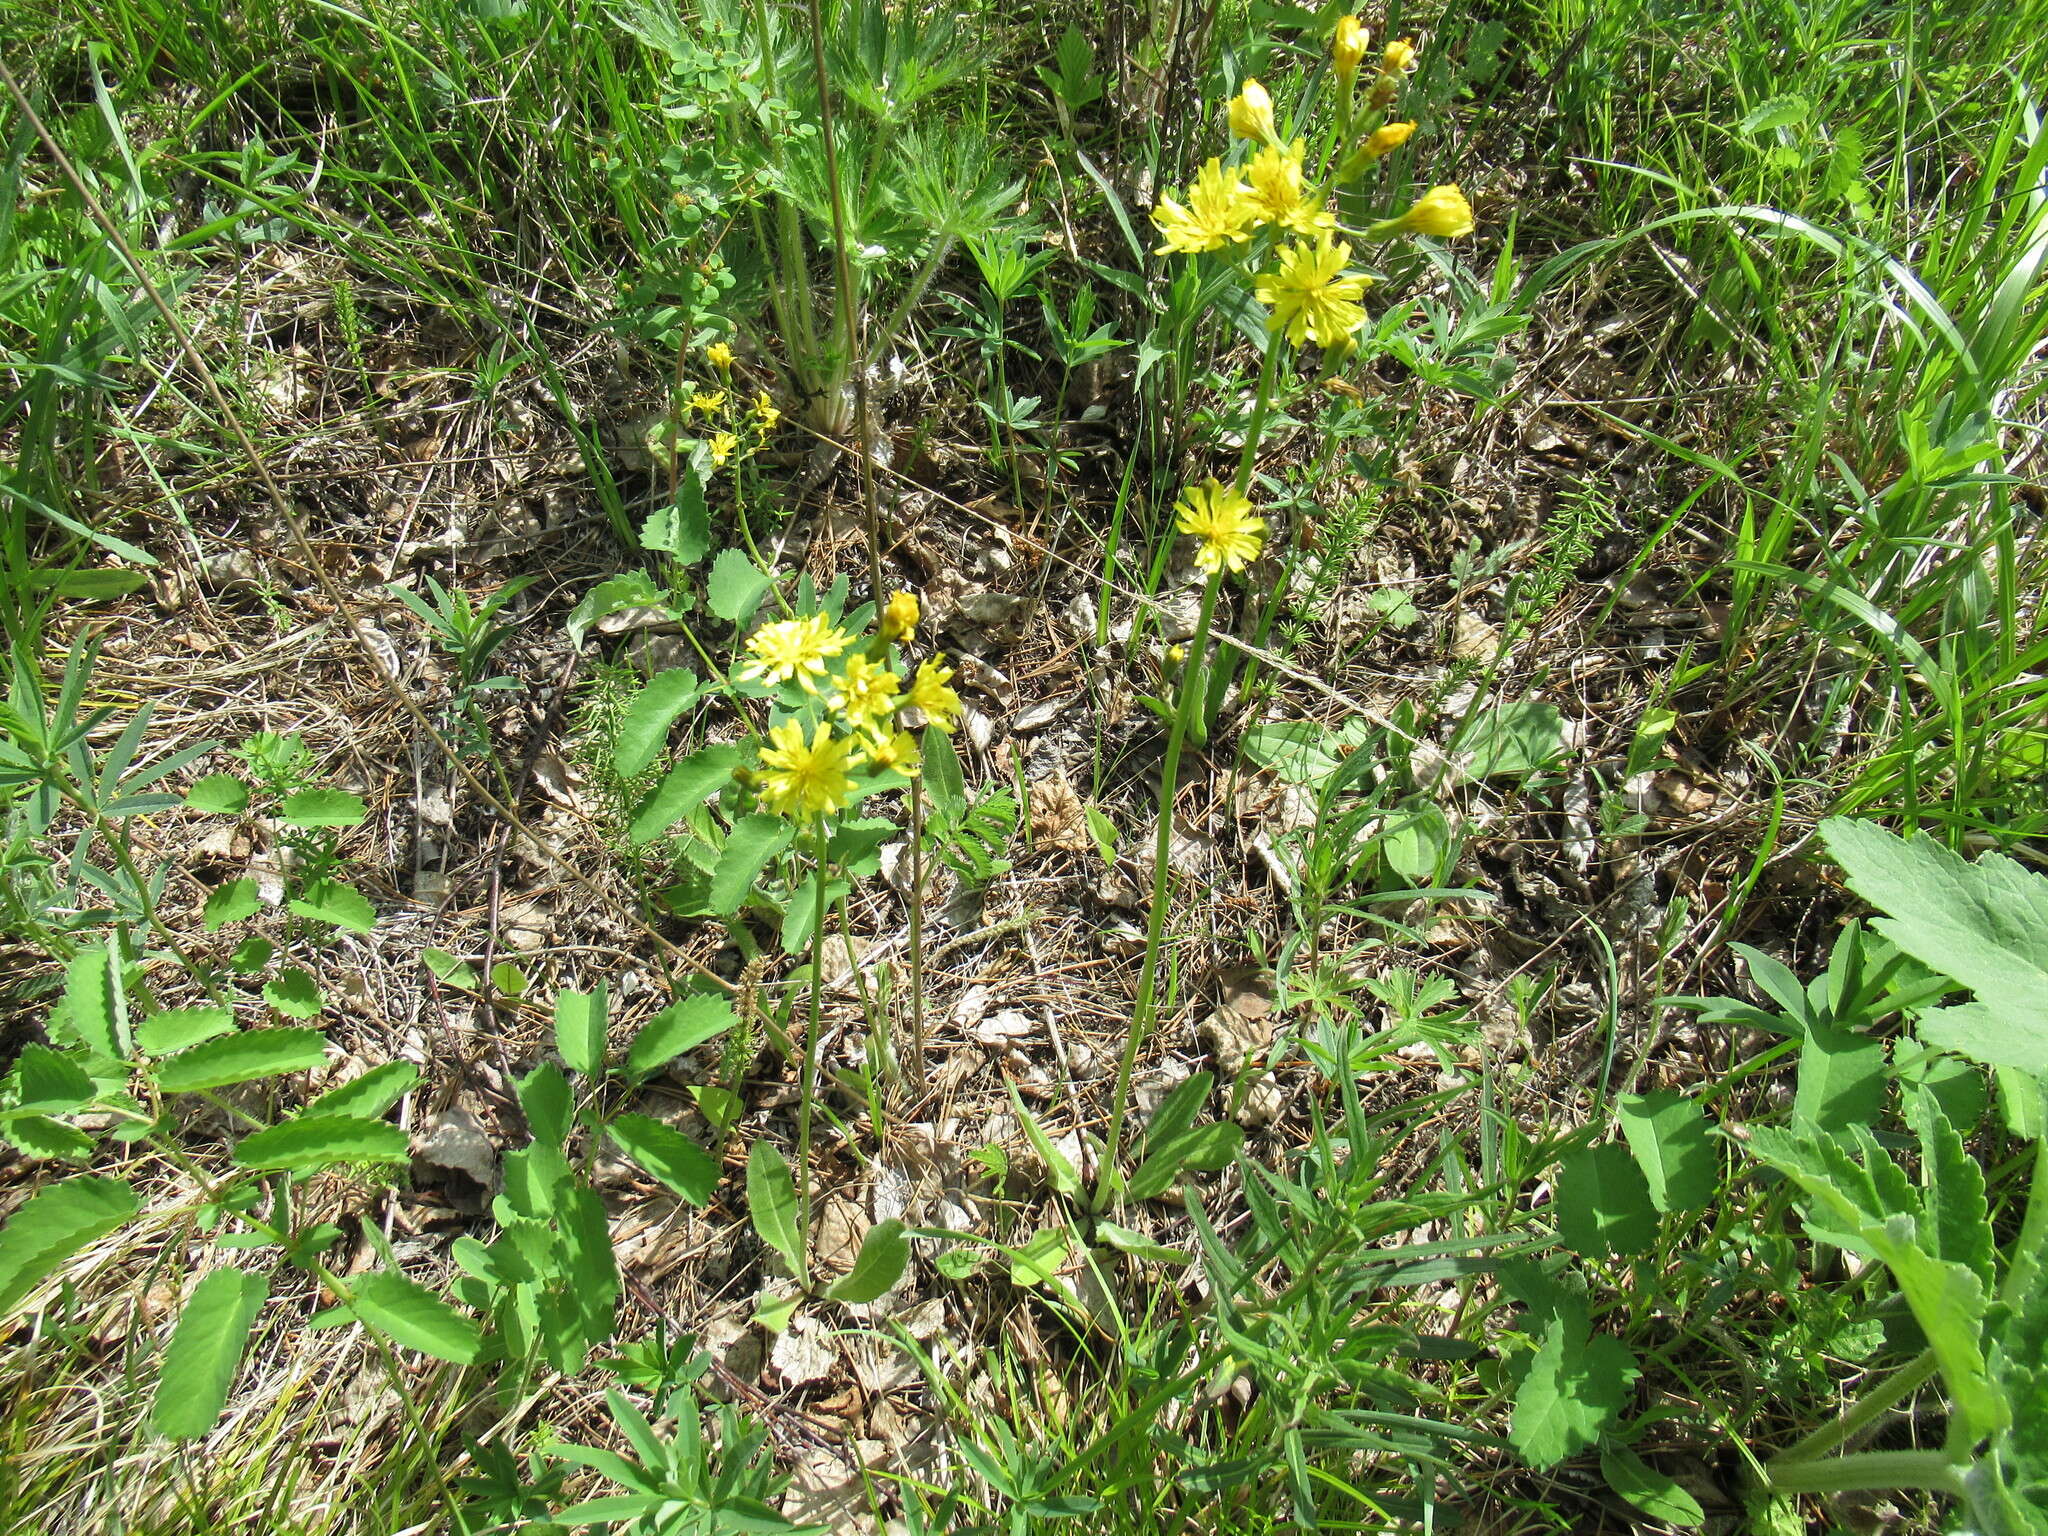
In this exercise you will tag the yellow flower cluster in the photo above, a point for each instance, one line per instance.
(859, 698)
(723, 409)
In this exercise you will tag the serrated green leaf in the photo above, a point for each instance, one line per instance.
(242, 1058)
(206, 1352)
(317, 809)
(545, 1100)
(585, 1244)
(331, 901)
(581, 1027)
(1779, 112)
(1841, 1078)
(90, 1001)
(371, 1095)
(294, 993)
(1669, 1138)
(42, 1137)
(1658, 1496)
(682, 1026)
(53, 1225)
(230, 902)
(308, 1142)
(884, 1255)
(220, 794)
(755, 839)
(48, 1082)
(1603, 1203)
(176, 1029)
(736, 586)
(687, 785)
(1953, 1195)
(251, 955)
(682, 1166)
(414, 1317)
(1570, 1390)
(643, 727)
(772, 1205)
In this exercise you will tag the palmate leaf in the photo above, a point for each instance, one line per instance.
(206, 1352)
(1984, 924)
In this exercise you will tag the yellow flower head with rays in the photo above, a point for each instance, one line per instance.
(1441, 211)
(1347, 48)
(1313, 297)
(930, 692)
(867, 694)
(719, 356)
(896, 753)
(801, 780)
(765, 411)
(1251, 112)
(1279, 194)
(1217, 213)
(794, 648)
(708, 402)
(1222, 519)
(722, 445)
(899, 617)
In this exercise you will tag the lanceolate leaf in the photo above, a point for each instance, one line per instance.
(580, 1029)
(55, 1224)
(884, 1255)
(771, 1203)
(1669, 1138)
(319, 1141)
(89, 996)
(683, 1166)
(1656, 1495)
(206, 1352)
(241, 1059)
(688, 785)
(413, 1316)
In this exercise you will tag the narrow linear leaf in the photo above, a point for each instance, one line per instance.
(413, 1316)
(241, 1059)
(55, 1224)
(685, 1168)
(206, 1352)
(308, 1142)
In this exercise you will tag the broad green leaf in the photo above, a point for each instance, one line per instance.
(331, 901)
(632, 590)
(54, 1224)
(585, 1244)
(452, 969)
(371, 1095)
(1569, 1392)
(546, 1101)
(40, 1136)
(251, 955)
(219, 793)
(884, 1255)
(48, 1082)
(308, 1142)
(1841, 1078)
(230, 902)
(1510, 740)
(580, 1029)
(773, 1311)
(508, 979)
(736, 586)
(1985, 924)
(414, 1317)
(241, 1059)
(90, 1001)
(1669, 1138)
(1603, 1203)
(317, 809)
(643, 728)
(1957, 1212)
(206, 1351)
(943, 780)
(1039, 1260)
(685, 787)
(755, 839)
(682, 1026)
(294, 993)
(177, 1028)
(772, 1205)
(685, 1168)
(1656, 1495)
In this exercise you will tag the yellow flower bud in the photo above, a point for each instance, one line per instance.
(1399, 58)
(1385, 139)
(1441, 211)
(719, 356)
(1251, 112)
(899, 617)
(1347, 48)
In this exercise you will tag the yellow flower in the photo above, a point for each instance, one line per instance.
(1278, 194)
(867, 693)
(897, 752)
(708, 403)
(794, 648)
(1399, 58)
(1441, 211)
(899, 617)
(1313, 297)
(722, 445)
(1221, 518)
(1347, 48)
(719, 356)
(802, 781)
(1251, 112)
(1385, 139)
(930, 693)
(1217, 213)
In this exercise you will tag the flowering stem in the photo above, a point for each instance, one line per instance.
(917, 1069)
(1225, 670)
(808, 1072)
(1162, 881)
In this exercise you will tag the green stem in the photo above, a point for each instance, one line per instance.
(1225, 671)
(2027, 1252)
(1868, 1469)
(807, 1083)
(1859, 1416)
(1162, 884)
(917, 1067)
